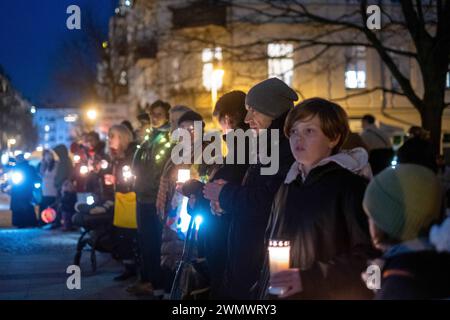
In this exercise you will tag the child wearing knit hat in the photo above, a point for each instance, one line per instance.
(402, 204)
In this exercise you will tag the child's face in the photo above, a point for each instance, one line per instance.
(309, 144)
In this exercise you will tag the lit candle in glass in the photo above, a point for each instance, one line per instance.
(183, 175)
(126, 172)
(84, 170)
(279, 258)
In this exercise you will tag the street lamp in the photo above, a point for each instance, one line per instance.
(92, 114)
(216, 84)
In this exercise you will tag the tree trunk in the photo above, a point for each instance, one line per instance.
(431, 116)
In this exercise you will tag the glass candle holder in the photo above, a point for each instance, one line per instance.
(279, 260)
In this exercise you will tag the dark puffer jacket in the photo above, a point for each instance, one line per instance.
(323, 219)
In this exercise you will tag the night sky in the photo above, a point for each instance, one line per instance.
(31, 34)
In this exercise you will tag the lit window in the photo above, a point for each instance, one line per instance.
(355, 70)
(281, 61)
(123, 78)
(210, 57)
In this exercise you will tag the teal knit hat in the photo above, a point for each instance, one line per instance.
(403, 201)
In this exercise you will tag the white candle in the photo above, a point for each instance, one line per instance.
(183, 175)
(279, 260)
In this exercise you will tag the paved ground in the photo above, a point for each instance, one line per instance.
(33, 265)
(5, 214)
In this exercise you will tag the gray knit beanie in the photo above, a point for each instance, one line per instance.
(271, 97)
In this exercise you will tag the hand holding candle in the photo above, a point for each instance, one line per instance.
(283, 280)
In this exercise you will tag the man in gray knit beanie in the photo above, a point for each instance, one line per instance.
(267, 101)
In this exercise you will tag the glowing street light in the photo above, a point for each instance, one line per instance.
(216, 84)
(33, 109)
(92, 114)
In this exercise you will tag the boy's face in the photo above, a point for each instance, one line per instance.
(309, 144)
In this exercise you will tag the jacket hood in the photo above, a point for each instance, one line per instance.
(355, 160)
(440, 236)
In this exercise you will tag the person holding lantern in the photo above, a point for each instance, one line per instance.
(230, 112)
(318, 210)
(267, 104)
(170, 200)
(148, 163)
(119, 179)
(47, 169)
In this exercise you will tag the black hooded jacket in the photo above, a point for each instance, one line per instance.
(324, 221)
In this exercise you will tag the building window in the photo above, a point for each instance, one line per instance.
(355, 69)
(123, 80)
(281, 61)
(211, 57)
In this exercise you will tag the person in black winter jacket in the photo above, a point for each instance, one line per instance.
(319, 210)
(249, 203)
(402, 204)
(230, 113)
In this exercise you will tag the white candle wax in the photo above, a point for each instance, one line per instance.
(279, 260)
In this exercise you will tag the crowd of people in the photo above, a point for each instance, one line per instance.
(336, 198)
